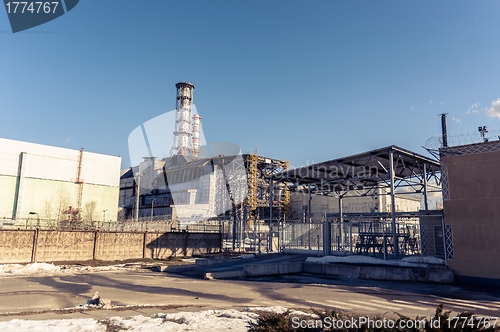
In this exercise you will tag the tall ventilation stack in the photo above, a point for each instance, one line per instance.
(444, 130)
(183, 142)
(196, 134)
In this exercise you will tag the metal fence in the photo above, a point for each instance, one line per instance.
(368, 234)
(301, 235)
(143, 225)
(252, 236)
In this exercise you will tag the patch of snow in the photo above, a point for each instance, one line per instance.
(279, 310)
(73, 325)
(275, 309)
(46, 269)
(208, 320)
(189, 260)
(29, 269)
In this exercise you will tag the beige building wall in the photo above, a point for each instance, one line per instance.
(43, 179)
(471, 199)
(327, 204)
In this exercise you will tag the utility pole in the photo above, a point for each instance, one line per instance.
(152, 209)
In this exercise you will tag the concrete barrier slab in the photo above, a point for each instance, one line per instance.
(225, 274)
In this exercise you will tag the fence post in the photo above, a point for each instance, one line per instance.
(327, 238)
(144, 244)
(94, 250)
(186, 243)
(35, 244)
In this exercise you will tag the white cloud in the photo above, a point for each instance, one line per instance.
(430, 101)
(441, 103)
(456, 120)
(495, 108)
(412, 107)
(474, 108)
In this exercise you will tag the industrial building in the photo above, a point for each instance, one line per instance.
(51, 184)
(471, 210)
(202, 188)
(190, 185)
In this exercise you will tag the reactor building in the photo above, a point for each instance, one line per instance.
(198, 180)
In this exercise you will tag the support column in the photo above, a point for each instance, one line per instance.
(235, 228)
(19, 195)
(327, 238)
(426, 206)
(271, 188)
(445, 243)
(393, 204)
(341, 220)
(309, 217)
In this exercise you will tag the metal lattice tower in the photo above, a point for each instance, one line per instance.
(183, 134)
(251, 166)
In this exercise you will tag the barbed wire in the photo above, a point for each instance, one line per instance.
(436, 142)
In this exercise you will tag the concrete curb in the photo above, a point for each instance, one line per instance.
(253, 270)
(217, 261)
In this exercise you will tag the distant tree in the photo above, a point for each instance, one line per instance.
(47, 211)
(89, 211)
(62, 204)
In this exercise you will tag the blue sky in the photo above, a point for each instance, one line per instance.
(304, 81)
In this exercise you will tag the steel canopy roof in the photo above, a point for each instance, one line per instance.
(365, 171)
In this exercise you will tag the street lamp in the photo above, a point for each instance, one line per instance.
(29, 215)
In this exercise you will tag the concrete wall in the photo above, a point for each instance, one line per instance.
(472, 208)
(119, 246)
(16, 246)
(164, 245)
(51, 246)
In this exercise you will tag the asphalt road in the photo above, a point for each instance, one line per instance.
(182, 288)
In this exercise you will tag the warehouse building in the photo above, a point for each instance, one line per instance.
(471, 203)
(52, 184)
